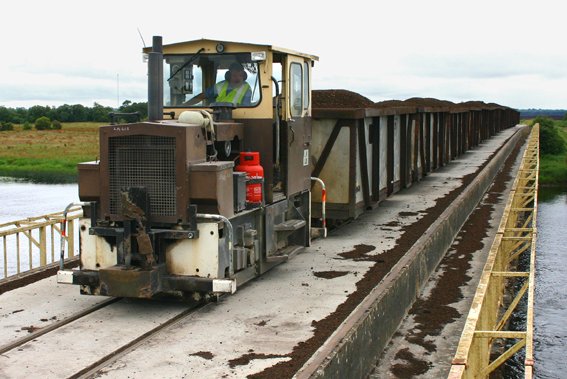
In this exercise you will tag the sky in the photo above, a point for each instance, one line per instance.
(507, 52)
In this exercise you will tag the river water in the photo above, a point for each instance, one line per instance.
(550, 334)
(20, 200)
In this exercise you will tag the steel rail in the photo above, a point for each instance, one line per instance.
(56, 325)
(93, 369)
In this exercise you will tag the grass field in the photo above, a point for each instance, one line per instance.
(51, 156)
(553, 168)
(48, 156)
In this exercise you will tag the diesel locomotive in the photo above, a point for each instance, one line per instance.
(208, 193)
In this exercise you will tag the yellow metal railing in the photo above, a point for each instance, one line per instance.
(35, 242)
(486, 342)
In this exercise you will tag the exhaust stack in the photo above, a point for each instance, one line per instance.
(155, 80)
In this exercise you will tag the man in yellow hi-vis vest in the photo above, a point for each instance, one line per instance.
(234, 89)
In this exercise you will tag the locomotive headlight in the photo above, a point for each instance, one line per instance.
(227, 148)
(258, 56)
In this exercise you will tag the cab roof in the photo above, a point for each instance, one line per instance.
(240, 46)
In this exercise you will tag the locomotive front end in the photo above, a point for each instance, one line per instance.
(140, 235)
(169, 209)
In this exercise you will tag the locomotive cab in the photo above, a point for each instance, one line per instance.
(275, 120)
(168, 208)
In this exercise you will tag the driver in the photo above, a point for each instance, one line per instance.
(234, 89)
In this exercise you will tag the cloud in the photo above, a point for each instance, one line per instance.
(519, 91)
(484, 66)
(26, 89)
(486, 50)
(83, 72)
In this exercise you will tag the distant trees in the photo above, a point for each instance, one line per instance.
(12, 115)
(99, 113)
(556, 114)
(5, 126)
(130, 107)
(38, 111)
(550, 142)
(42, 123)
(543, 121)
(68, 113)
(56, 125)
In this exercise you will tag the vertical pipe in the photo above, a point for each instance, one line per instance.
(71, 238)
(323, 204)
(65, 235)
(155, 80)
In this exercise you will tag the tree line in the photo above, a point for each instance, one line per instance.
(550, 140)
(69, 113)
(556, 114)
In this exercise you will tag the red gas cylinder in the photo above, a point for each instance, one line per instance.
(250, 164)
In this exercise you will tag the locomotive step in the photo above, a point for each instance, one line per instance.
(285, 254)
(289, 225)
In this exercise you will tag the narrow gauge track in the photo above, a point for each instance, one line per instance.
(56, 325)
(92, 338)
(91, 370)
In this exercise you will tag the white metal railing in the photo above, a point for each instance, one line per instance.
(35, 242)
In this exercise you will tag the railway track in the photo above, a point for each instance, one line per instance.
(91, 339)
(55, 325)
(91, 370)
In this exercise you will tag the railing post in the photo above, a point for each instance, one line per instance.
(5, 257)
(42, 245)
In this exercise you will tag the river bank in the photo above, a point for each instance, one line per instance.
(553, 153)
(51, 156)
(48, 156)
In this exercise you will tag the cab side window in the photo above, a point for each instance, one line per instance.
(305, 86)
(296, 90)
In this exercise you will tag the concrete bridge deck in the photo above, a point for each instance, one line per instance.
(329, 311)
